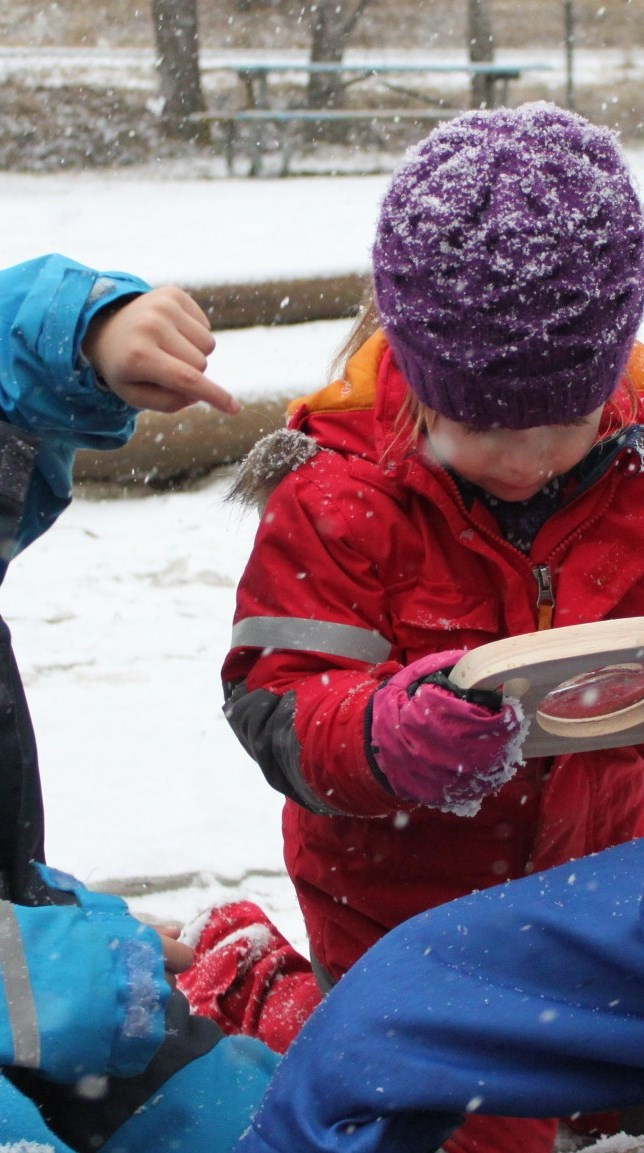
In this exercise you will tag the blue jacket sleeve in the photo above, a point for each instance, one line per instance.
(46, 386)
(95, 1048)
(522, 1000)
(22, 1125)
(205, 1106)
(83, 989)
(202, 1108)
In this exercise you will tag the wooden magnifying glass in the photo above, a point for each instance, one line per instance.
(581, 686)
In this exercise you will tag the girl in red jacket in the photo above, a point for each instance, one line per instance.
(475, 473)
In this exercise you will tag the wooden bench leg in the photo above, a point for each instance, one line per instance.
(256, 148)
(230, 147)
(287, 148)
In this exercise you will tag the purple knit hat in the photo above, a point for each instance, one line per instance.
(509, 266)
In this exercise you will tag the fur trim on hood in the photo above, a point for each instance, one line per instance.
(268, 462)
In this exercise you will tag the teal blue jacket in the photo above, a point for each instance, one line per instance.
(85, 1013)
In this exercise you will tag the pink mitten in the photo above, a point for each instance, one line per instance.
(441, 745)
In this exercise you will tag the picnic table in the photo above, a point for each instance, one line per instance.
(394, 75)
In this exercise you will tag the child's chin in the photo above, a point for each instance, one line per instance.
(509, 492)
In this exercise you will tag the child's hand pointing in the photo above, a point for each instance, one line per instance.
(152, 352)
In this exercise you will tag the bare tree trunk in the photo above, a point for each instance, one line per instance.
(332, 22)
(481, 50)
(569, 24)
(177, 39)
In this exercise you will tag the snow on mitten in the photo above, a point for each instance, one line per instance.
(246, 976)
(441, 745)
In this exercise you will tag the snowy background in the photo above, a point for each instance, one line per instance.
(121, 614)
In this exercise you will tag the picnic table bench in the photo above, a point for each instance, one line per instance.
(257, 110)
(284, 118)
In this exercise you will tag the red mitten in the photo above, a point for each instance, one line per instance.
(246, 976)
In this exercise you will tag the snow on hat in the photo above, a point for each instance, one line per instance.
(509, 266)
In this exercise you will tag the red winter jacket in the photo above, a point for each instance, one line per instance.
(366, 558)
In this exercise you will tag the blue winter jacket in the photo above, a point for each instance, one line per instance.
(526, 999)
(84, 1010)
(95, 1049)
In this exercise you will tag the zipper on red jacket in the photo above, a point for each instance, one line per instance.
(545, 603)
(542, 572)
(545, 596)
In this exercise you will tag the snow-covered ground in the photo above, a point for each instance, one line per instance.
(194, 231)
